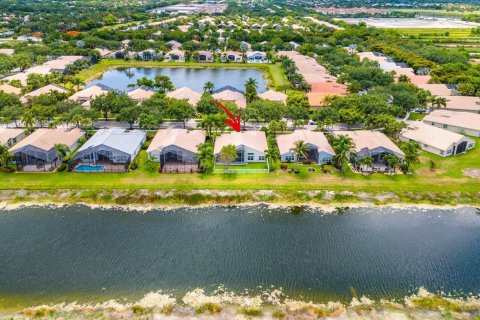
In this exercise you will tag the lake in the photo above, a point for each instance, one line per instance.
(193, 78)
(78, 253)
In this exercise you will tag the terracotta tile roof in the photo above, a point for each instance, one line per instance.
(10, 89)
(436, 89)
(188, 140)
(370, 140)
(273, 96)
(46, 139)
(287, 141)
(185, 93)
(255, 140)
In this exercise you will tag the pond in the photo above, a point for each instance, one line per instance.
(193, 78)
(79, 253)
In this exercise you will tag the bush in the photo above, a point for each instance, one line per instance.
(208, 307)
(279, 314)
(62, 167)
(133, 165)
(251, 311)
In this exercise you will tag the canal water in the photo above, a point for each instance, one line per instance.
(193, 78)
(51, 255)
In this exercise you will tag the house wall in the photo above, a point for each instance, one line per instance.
(324, 157)
(256, 155)
(468, 132)
(12, 141)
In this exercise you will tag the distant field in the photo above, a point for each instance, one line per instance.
(439, 13)
(437, 32)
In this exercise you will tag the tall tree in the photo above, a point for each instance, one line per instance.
(344, 148)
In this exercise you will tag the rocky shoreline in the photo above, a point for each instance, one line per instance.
(149, 199)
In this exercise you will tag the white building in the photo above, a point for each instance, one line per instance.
(438, 141)
(459, 122)
(251, 146)
(320, 150)
(257, 57)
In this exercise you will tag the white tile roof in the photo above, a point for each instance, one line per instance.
(436, 89)
(140, 94)
(231, 96)
(463, 103)
(116, 138)
(432, 136)
(7, 134)
(10, 89)
(188, 140)
(465, 120)
(255, 140)
(273, 96)
(43, 90)
(185, 93)
(286, 142)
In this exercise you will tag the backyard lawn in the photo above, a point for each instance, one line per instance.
(447, 176)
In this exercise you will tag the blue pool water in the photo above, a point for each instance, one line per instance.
(89, 168)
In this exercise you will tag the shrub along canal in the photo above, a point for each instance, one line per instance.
(194, 78)
(49, 255)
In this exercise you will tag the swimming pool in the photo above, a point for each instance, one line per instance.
(89, 168)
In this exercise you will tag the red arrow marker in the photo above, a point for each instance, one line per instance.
(232, 122)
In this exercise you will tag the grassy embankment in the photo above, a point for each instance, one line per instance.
(445, 184)
(274, 73)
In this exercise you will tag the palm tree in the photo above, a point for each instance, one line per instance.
(301, 149)
(28, 120)
(412, 154)
(205, 156)
(403, 78)
(251, 82)
(392, 161)
(304, 86)
(208, 87)
(271, 156)
(366, 161)
(77, 82)
(5, 156)
(440, 102)
(344, 149)
(62, 150)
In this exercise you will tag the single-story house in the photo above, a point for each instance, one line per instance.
(185, 93)
(257, 57)
(175, 55)
(9, 137)
(119, 54)
(43, 90)
(6, 88)
(320, 150)
(86, 95)
(273, 96)
(459, 122)
(463, 103)
(372, 144)
(232, 56)
(104, 53)
(437, 89)
(174, 45)
(230, 94)
(438, 141)
(251, 146)
(176, 149)
(205, 56)
(37, 151)
(148, 55)
(109, 150)
(140, 94)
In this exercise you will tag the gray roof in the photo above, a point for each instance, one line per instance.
(116, 138)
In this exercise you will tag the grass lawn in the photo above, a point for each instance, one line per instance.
(274, 73)
(416, 116)
(447, 177)
(436, 32)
